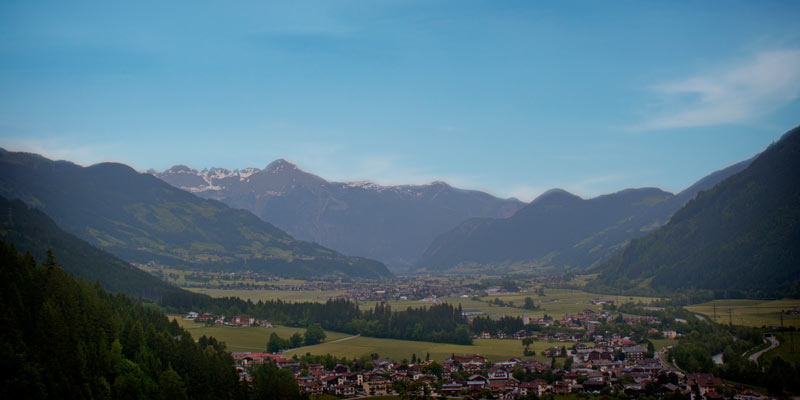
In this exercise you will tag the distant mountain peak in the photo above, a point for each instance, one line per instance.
(555, 195)
(180, 168)
(281, 165)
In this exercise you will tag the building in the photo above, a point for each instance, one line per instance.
(376, 385)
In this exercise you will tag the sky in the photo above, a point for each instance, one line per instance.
(513, 98)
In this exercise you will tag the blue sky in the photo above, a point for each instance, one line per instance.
(509, 97)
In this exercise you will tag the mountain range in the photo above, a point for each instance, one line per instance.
(559, 229)
(393, 224)
(140, 218)
(740, 237)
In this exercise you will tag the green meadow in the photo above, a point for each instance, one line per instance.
(493, 349)
(293, 296)
(255, 339)
(245, 339)
(750, 312)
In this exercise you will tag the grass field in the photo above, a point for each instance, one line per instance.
(255, 339)
(245, 339)
(556, 302)
(750, 312)
(661, 343)
(493, 349)
(789, 349)
(293, 296)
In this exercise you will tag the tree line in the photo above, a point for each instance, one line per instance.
(442, 323)
(65, 338)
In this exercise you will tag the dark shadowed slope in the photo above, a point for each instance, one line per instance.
(560, 229)
(140, 218)
(743, 235)
(30, 230)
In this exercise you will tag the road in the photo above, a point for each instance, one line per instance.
(664, 363)
(774, 343)
(333, 341)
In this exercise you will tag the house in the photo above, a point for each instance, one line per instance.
(204, 317)
(562, 387)
(312, 368)
(266, 324)
(243, 320)
(702, 383)
(635, 353)
(554, 351)
(499, 375)
(477, 382)
(191, 315)
(472, 366)
(341, 369)
(452, 388)
(521, 334)
(376, 385)
(345, 391)
(311, 386)
(470, 357)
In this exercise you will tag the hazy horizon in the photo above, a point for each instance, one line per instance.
(512, 98)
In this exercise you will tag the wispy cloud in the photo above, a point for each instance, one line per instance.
(57, 149)
(736, 93)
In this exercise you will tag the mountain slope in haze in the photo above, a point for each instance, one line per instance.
(30, 230)
(563, 230)
(743, 235)
(393, 224)
(140, 218)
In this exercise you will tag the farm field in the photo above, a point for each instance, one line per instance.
(294, 296)
(661, 343)
(245, 339)
(750, 312)
(556, 302)
(493, 349)
(255, 339)
(788, 350)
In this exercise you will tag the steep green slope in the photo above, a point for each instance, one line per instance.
(32, 231)
(64, 339)
(743, 235)
(140, 218)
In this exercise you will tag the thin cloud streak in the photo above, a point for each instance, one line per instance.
(735, 94)
(56, 149)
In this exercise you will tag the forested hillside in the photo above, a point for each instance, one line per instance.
(63, 338)
(741, 237)
(559, 229)
(30, 230)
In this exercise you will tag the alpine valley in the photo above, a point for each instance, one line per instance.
(141, 219)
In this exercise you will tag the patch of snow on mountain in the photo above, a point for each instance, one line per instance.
(247, 172)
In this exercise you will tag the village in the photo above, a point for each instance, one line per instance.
(578, 359)
(607, 366)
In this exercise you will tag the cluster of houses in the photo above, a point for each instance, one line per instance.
(471, 375)
(236, 321)
(580, 327)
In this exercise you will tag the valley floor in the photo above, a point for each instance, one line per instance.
(751, 312)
